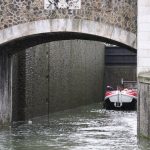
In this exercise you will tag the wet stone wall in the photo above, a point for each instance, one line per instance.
(60, 75)
(18, 86)
(121, 13)
(5, 92)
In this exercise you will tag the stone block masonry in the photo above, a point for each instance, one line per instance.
(120, 13)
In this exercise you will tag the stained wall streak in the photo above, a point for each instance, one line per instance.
(5, 93)
(18, 86)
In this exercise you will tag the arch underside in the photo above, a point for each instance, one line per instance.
(37, 32)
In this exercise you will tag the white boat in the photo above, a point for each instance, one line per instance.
(121, 98)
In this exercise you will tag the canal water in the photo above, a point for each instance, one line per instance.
(84, 128)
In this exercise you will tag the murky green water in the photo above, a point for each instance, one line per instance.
(85, 128)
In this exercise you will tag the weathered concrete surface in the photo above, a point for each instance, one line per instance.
(63, 74)
(5, 91)
(144, 105)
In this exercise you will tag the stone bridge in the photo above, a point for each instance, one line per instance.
(114, 20)
(25, 23)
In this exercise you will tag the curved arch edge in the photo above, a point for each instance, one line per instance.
(68, 25)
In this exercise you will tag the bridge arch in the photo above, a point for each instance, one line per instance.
(101, 31)
(25, 24)
(29, 34)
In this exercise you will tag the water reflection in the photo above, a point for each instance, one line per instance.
(85, 128)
